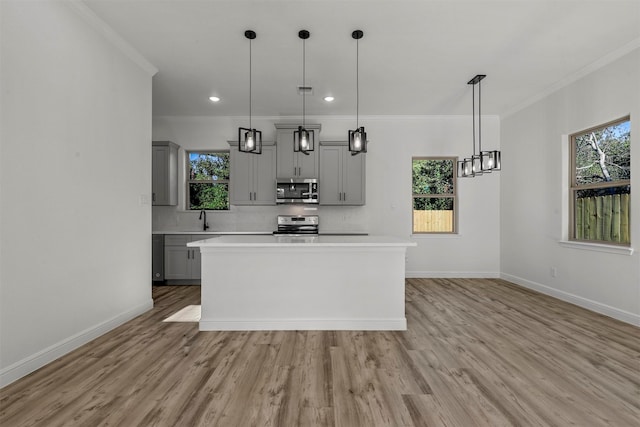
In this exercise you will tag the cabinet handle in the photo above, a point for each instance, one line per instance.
(153, 197)
(250, 196)
(344, 197)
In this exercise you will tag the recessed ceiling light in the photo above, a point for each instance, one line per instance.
(214, 99)
(329, 98)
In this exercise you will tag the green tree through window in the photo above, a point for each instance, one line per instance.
(434, 194)
(208, 181)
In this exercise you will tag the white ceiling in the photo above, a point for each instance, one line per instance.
(415, 58)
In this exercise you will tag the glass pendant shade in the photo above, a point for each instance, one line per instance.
(486, 161)
(250, 141)
(303, 140)
(465, 168)
(358, 141)
(497, 160)
(476, 165)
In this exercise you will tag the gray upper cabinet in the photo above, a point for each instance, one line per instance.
(342, 175)
(293, 164)
(253, 176)
(164, 170)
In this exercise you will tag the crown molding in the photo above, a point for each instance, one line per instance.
(590, 68)
(114, 38)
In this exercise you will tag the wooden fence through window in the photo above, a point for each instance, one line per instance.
(604, 218)
(432, 221)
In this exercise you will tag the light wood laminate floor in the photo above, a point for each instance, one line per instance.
(478, 352)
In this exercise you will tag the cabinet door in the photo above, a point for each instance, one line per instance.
(177, 262)
(330, 185)
(195, 264)
(308, 163)
(264, 177)
(241, 177)
(287, 166)
(353, 178)
(159, 174)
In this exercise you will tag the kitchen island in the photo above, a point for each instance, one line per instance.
(303, 283)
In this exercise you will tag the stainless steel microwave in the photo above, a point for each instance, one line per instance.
(297, 190)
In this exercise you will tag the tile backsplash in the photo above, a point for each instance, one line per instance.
(260, 218)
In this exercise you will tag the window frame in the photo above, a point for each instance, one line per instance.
(200, 181)
(453, 195)
(574, 187)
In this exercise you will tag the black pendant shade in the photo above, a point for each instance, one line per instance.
(303, 139)
(358, 141)
(249, 139)
(357, 137)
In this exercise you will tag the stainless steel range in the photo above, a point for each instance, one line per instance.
(297, 225)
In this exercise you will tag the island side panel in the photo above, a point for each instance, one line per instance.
(301, 288)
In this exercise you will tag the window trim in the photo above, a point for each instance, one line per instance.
(453, 196)
(573, 187)
(187, 201)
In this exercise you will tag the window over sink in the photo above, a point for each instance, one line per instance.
(208, 180)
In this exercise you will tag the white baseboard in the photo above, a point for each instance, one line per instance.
(31, 363)
(305, 325)
(598, 307)
(452, 274)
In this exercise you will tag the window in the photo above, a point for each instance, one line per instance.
(601, 184)
(208, 180)
(434, 194)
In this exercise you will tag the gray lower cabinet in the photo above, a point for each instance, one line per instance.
(180, 261)
(164, 173)
(292, 164)
(253, 176)
(157, 258)
(342, 175)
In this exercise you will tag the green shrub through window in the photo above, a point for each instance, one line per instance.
(208, 180)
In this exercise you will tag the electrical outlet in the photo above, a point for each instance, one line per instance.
(554, 272)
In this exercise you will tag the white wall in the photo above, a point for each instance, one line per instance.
(393, 141)
(75, 162)
(534, 193)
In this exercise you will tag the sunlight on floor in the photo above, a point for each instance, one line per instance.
(190, 313)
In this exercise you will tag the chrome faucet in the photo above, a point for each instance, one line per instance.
(204, 223)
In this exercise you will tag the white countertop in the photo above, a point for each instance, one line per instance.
(228, 241)
(213, 233)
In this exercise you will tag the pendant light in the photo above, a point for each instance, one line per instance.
(357, 137)
(303, 139)
(249, 139)
(484, 161)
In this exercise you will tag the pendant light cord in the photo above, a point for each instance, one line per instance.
(250, 127)
(357, 83)
(473, 116)
(480, 118)
(304, 84)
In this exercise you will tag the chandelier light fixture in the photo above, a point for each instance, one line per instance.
(303, 139)
(250, 139)
(484, 161)
(357, 137)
